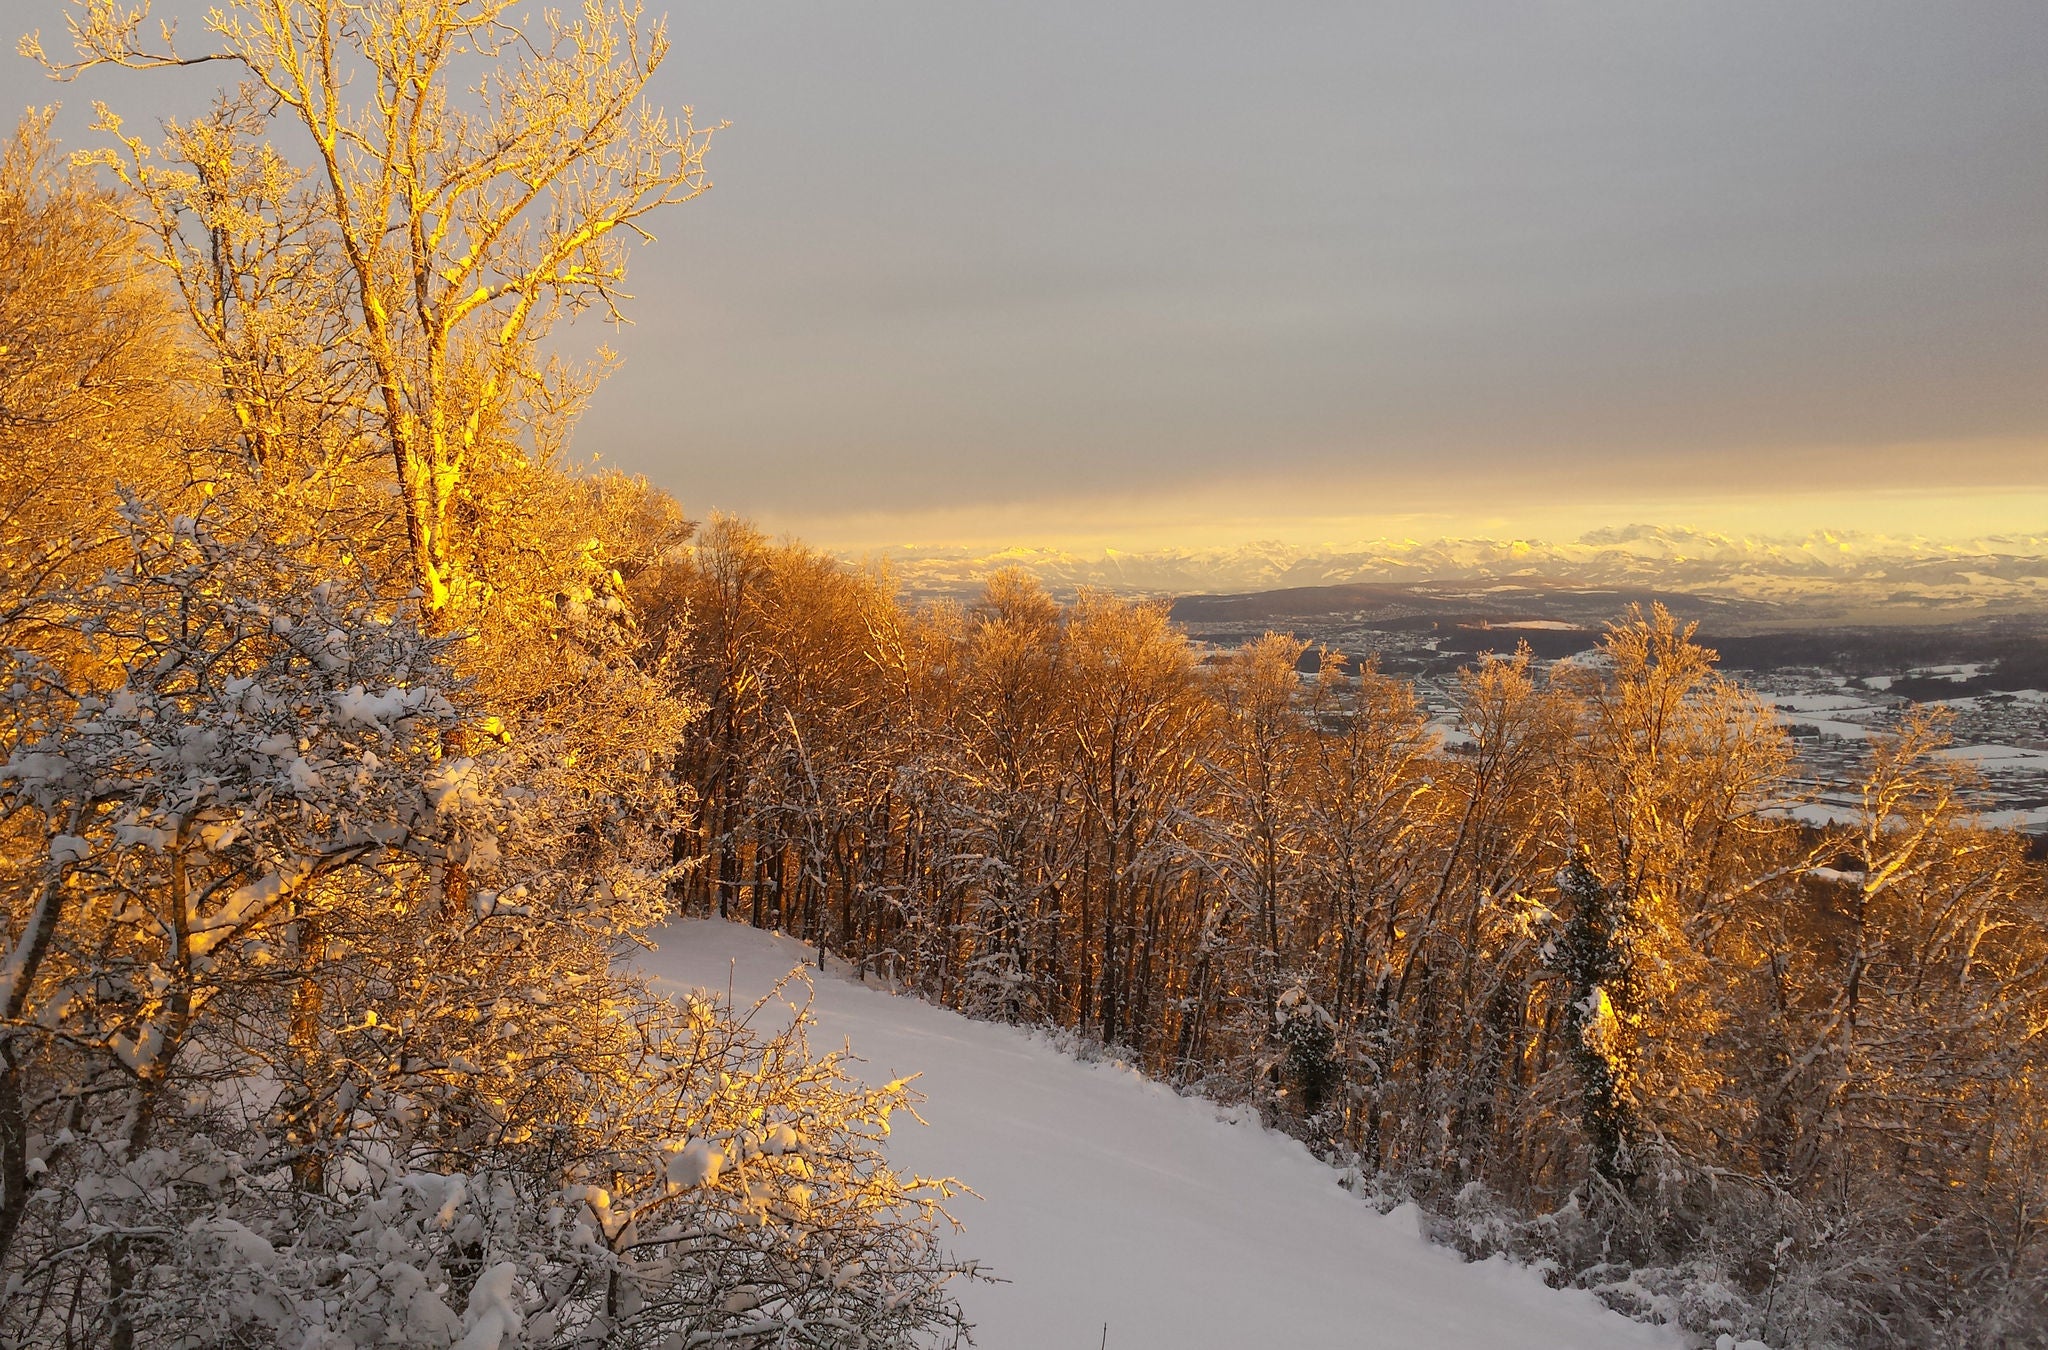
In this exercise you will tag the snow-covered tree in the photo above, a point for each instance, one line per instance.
(268, 1079)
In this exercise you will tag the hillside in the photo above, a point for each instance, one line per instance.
(1110, 1202)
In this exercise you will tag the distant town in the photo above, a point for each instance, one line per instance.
(1833, 686)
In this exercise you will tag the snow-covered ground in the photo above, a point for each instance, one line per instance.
(1122, 1215)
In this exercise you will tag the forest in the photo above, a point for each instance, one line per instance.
(354, 732)
(1573, 979)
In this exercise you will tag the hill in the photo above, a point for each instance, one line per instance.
(1120, 1214)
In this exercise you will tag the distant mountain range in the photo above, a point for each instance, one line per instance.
(1854, 576)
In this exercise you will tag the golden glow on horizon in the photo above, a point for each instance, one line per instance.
(1942, 492)
(1222, 520)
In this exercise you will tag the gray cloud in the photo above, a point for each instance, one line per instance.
(1002, 253)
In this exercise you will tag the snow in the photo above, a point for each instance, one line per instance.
(239, 1241)
(1803, 703)
(1449, 734)
(377, 710)
(1800, 710)
(1820, 813)
(1838, 875)
(245, 903)
(695, 1164)
(2001, 756)
(2015, 818)
(1828, 727)
(1108, 1201)
(494, 1311)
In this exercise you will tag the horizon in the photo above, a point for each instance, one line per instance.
(1869, 544)
(1947, 521)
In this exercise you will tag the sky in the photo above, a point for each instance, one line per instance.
(1157, 274)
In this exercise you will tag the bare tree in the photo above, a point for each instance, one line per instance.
(474, 178)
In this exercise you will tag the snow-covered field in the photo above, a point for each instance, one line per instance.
(1122, 1215)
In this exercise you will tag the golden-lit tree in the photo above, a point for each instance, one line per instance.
(329, 808)
(1665, 813)
(1011, 767)
(1373, 814)
(436, 236)
(1260, 738)
(96, 374)
(1462, 951)
(1140, 724)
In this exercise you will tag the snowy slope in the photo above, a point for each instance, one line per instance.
(1108, 1200)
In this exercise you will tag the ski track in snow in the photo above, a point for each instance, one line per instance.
(1108, 1199)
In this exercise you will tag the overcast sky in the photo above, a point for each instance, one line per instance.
(1181, 271)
